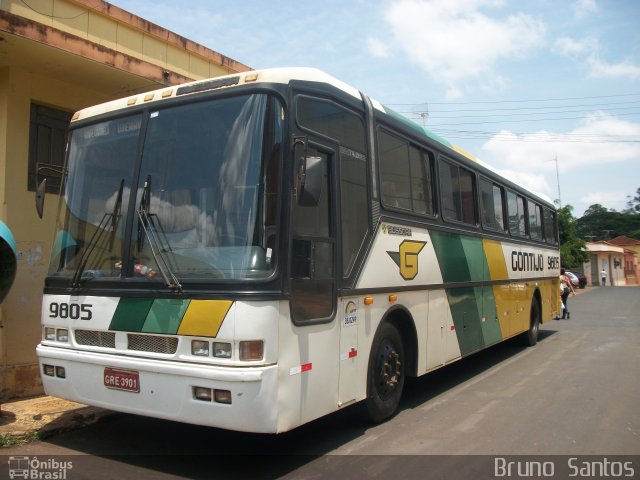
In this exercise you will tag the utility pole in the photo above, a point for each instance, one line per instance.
(558, 180)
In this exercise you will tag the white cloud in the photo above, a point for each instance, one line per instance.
(453, 93)
(588, 52)
(624, 69)
(604, 198)
(573, 48)
(529, 160)
(378, 48)
(456, 41)
(593, 142)
(582, 8)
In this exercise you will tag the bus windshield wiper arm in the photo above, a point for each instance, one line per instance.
(157, 246)
(112, 217)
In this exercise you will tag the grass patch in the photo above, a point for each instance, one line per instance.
(7, 440)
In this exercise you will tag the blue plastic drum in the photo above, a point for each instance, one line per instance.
(8, 260)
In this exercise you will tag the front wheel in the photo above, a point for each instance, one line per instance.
(385, 375)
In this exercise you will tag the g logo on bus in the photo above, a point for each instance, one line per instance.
(407, 258)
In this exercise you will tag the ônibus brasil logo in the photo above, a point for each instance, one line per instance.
(35, 469)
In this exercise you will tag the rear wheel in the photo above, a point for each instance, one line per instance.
(386, 374)
(530, 337)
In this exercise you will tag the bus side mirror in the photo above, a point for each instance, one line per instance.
(309, 182)
(42, 188)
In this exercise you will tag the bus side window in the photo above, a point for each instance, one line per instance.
(517, 217)
(394, 172)
(535, 220)
(548, 218)
(491, 204)
(405, 173)
(458, 193)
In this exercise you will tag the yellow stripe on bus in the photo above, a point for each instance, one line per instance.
(495, 259)
(204, 318)
(506, 297)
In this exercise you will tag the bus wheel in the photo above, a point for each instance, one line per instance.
(385, 376)
(530, 338)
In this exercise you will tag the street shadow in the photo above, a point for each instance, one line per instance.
(191, 451)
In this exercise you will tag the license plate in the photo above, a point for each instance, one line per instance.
(126, 380)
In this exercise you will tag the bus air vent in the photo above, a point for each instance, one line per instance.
(152, 343)
(96, 338)
(209, 85)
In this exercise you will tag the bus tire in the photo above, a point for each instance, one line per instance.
(385, 374)
(530, 337)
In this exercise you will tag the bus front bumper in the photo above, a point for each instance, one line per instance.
(165, 389)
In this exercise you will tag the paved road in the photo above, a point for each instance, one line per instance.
(576, 393)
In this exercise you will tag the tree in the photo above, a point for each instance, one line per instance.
(572, 248)
(600, 224)
(633, 205)
(595, 209)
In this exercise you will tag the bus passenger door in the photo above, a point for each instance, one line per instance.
(313, 292)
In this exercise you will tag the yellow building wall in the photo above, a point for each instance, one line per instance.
(20, 312)
(139, 44)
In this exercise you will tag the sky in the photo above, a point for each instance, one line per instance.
(545, 91)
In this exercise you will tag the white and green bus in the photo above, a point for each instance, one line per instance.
(255, 251)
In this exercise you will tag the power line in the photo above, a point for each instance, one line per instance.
(516, 101)
(519, 121)
(535, 137)
(488, 115)
(601, 105)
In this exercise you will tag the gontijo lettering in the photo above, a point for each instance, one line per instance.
(527, 262)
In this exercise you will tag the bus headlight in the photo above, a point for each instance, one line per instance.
(49, 333)
(200, 348)
(251, 350)
(221, 349)
(62, 335)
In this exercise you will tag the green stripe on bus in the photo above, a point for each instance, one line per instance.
(491, 331)
(463, 259)
(451, 257)
(464, 310)
(165, 316)
(476, 260)
(130, 314)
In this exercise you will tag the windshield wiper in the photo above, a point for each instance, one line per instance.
(112, 217)
(158, 245)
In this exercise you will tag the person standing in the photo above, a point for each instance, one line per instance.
(566, 288)
(603, 274)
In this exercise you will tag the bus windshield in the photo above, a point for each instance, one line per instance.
(205, 179)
